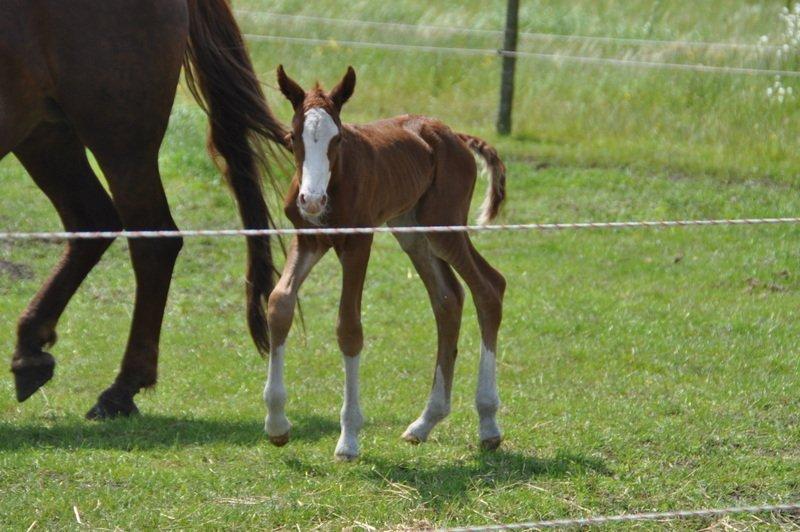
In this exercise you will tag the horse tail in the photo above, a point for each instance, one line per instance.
(220, 75)
(496, 193)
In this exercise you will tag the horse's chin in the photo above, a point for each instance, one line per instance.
(317, 220)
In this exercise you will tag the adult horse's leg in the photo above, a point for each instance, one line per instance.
(447, 301)
(354, 258)
(56, 159)
(304, 253)
(139, 196)
(121, 115)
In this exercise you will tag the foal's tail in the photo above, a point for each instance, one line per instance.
(496, 193)
(221, 77)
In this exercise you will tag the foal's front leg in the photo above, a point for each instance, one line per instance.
(354, 257)
(304, 253)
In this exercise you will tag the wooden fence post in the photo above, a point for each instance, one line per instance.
(509, 69)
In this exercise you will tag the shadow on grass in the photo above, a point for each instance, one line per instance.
(153, 432)
(442, 484)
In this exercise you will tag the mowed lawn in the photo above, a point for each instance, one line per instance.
(639, 369)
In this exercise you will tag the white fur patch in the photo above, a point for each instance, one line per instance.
(487, 400)
(436, 410)
(318, 131)
(351, 417)
(275, 396)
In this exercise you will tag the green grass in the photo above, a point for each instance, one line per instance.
(568, 114)
(639, 370)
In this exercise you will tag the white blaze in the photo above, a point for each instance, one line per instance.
(318, 131)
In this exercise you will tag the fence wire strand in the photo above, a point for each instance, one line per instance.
(556, 57)
(333, 231)
(499, 33)
(638, 517)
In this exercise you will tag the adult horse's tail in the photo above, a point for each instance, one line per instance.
(496, 193)
(221, 77)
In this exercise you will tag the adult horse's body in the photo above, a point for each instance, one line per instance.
(408, 170)
(102, 75)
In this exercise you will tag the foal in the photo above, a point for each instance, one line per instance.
(404, 171)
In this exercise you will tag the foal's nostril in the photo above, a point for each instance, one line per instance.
(324, 200)
(302, 199)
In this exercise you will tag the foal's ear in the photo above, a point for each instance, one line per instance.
(344, 90)
(289, 87)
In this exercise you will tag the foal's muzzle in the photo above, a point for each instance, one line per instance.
(312, 204)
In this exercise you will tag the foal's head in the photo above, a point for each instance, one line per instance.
(315, 138)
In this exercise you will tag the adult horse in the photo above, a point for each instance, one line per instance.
(103, 76)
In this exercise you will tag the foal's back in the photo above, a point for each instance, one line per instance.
(400, 160)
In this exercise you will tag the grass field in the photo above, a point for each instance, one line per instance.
(639, 370)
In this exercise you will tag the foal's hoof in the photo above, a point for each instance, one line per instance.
(112, 404)
(345, 457)
(491, 444)
(31, 373)
(279, 441)
(412, 438)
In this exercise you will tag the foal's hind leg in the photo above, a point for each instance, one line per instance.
(447, 301)
(56, 160)
(487, 287)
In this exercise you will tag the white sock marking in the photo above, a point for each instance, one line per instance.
(351, 417)
(275, 396)
(487, 400)
(436, 410)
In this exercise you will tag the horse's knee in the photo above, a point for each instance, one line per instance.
(156, 254)
(90, 251)
(280, 312)
(350, 334)
(170, 248)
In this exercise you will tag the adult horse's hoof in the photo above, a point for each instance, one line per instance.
(31, 373)
(280, 441)
(112, 404)
(491, 444)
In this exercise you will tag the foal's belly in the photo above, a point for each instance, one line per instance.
(401, 183)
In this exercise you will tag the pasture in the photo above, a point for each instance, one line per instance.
(638, 369)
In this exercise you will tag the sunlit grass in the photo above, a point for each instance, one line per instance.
(639, 370)
(590, 115)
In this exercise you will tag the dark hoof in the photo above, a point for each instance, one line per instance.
(280, 441)
(112, 404)
(491, 444)
(31, 373)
